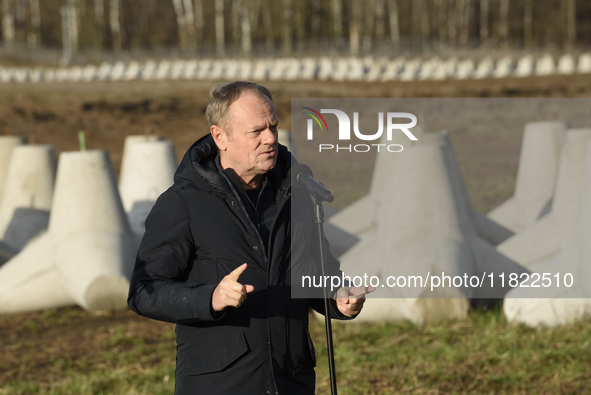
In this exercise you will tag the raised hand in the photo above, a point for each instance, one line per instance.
(229, 291)
(350, 299)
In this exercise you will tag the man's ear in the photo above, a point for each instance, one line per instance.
(219, 137)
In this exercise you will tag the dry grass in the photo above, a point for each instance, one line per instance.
(69, 351)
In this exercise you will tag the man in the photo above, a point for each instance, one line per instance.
(215, 258)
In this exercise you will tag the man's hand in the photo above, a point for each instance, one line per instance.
(229, 291)
(350, 299)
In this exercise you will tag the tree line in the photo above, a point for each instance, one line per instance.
(287, 27)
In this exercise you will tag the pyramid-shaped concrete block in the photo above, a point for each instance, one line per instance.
(86, 196)
(30, 281)
(536, 176)
(87, 202)
(545, 65)
(360, 216)
(103, 281)
(86, 256)
(556, 230)
(525, 66)
(147, 170)
(126, 158)
(24, 209)
(7, 252)
(568, 298)
(485, 68)
(553, 305)
(7, 143)
(424, 227)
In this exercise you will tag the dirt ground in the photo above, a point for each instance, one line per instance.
(107, 112)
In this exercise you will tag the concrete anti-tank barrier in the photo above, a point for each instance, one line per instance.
(536, 176)
(87, 254)
(7, 143)
(560, 303)
(24, 208)
(426, 226)
(147, 170)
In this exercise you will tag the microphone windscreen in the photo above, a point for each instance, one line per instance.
(293, 174)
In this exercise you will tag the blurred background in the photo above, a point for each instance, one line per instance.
(84, 31)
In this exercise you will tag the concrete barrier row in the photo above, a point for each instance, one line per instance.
(308, 68)
(68, 233)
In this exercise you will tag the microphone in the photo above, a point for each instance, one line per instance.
(301, 177)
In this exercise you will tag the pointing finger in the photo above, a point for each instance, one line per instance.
(235, 274)
(360, 291)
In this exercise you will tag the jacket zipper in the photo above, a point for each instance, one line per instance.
(241, 205)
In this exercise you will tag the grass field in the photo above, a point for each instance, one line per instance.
(479, 355)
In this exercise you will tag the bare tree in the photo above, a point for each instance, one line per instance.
(69, 16)
(571, 24)
(21, 22)
(219, 28)
(245, 27)
(99, 23)
(35, 23)
(452, 24)
(368, 25)
(337, 19)
(268, 23)
(441, 22)
(7, 23)
(527, 23)
(199, 23)
(190, 24)
(115, 22)
(315, 18)
(143, 25)
(483, 20)
(73, 25)
(465, 22)
(394, 27)
(354, 28)
(286, 28)
(255, 12)
(66, 42)
(504, 23)
(380, 12)
(300, 28)
(183, 10)
(235, 19)
(424, 18)
(180, 21)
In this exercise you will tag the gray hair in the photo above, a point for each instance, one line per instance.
(223, 95)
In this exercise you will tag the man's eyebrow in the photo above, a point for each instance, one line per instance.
(261, 127)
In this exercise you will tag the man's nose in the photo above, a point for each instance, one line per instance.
(269, 137)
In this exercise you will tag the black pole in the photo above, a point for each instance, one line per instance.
(327, 320)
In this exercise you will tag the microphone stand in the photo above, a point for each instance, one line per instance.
(319, 211)
(304, 179)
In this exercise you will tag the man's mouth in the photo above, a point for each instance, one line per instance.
(270, 152)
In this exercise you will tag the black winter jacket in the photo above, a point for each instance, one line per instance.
(197, 233)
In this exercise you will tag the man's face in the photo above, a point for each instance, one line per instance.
(249, 140)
